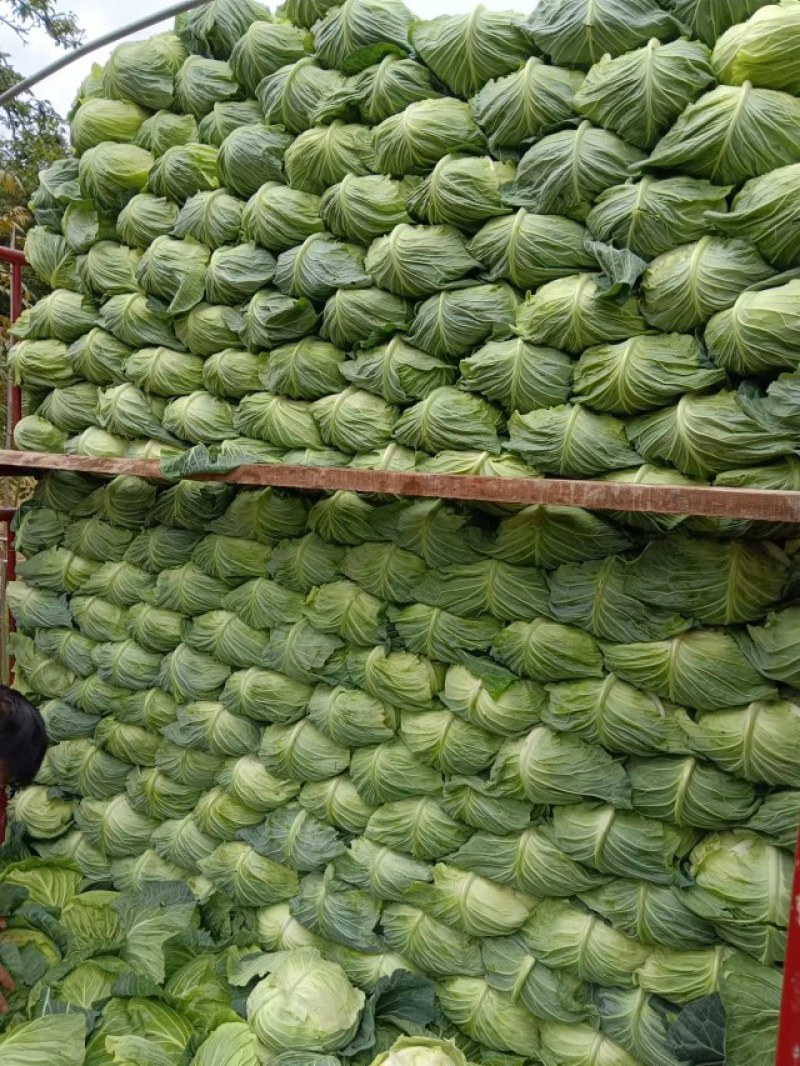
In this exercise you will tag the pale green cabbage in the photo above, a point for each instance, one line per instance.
(731, 134)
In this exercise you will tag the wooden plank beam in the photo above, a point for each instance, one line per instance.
(753, 504)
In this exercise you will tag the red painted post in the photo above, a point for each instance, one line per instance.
(789, 1025)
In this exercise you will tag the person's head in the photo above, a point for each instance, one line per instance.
(23, 739)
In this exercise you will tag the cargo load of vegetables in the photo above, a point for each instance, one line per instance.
(379, 782)
(560, 244)
(327, 773)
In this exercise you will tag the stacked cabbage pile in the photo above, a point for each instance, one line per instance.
(537, 758)
(130, 978)
(479, 243)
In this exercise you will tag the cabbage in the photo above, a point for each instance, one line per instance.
(296, 839)
(564, 172)
(705, 435)
(529, 861)
(447, 418)
(201, 83)
(682, 288)
(361, 208)
(174, 271)
(652, 216)
(83, 225)
(759, 755)
(101, 120)
(225, 117)
(62, 315)
(265, 48)
(672, 572)
(655, 914)
(269, 320)
(435, 947)
(111, 174)
(41, 364)
(164, 130)
(643, 373)
(756, 334)
(418, 260)
(751, 993)
(579, 1044)
(414, 140)
(689, 793)
(640, 94)
(574, 313)
(704, 669)
(548, 994)
(381, 90)
(109, 268)
(488, 1016)
(251, 879)
(465, 51)
(454, 322)
(441, 635)
(232, 373)
(164, 372)
(529, 249)
(293, 94)
(144, 71)
(570, 440)
(526, 103)
(125, 410)
(760, 50)
(278, 1008)
(545, 766)
(487, 697)
(52, 258)
(351, 316)
(344, 36)
(41, 816)
(721, 137)
(251, 155)
(137, 321)
(578, 33)
(184, 170)
(762, 211)
(146, 217)
(319, 266)
(58, 186)
(60, 1035)
(421, 1051)
(215, 27)
(324, 155)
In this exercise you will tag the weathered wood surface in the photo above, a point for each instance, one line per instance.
(754, 504)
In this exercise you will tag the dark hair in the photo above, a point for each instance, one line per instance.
(23, 738)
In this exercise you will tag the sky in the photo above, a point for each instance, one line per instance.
(98, 17)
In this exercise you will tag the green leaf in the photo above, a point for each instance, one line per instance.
(150, 921)
(697, 1035)
(43, 1041)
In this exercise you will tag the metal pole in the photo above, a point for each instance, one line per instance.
(100, 42)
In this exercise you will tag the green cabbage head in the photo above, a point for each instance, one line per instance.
(305, 1004)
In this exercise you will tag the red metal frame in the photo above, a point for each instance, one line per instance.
(789, 1025)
